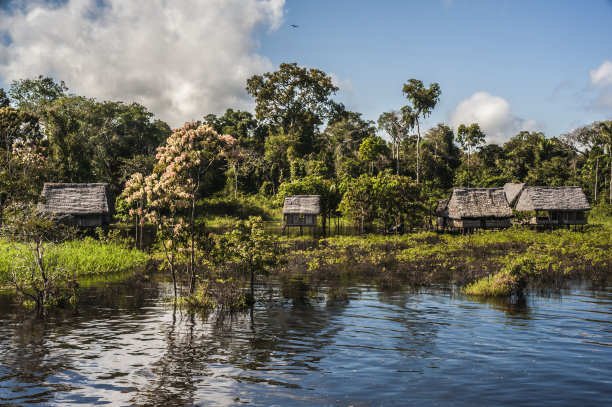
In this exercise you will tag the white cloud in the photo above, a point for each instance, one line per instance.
(602, 76)
(493, 114)
(344, 84)
(181, 59)
(601, 81)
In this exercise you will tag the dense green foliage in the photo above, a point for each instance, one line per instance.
(298, 131)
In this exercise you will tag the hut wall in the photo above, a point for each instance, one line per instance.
(471, 223)
(555, 218)
(497, 223)
(570, 217)
(494, 223)
(85, 220)
(295, 219)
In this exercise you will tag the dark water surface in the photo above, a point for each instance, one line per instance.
(128, 347)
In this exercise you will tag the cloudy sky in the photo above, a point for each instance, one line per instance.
(509, 65)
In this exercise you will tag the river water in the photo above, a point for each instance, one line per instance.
(126, 346)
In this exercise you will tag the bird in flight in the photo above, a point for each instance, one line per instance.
(294, 26)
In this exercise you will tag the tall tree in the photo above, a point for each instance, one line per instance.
(294, 99)
(34, 94)
(469, 137)
(242, 126)
(397, 125)
(422, 102)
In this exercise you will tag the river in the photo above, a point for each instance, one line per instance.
(127, 346)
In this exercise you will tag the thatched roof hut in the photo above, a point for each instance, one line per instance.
(512, 191)
(478, 203)
(561, 205)
(552, 199)
(302, 204)
(77, 204)
(477, 208)
(301, 210)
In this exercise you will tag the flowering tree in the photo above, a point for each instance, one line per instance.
(174, 185)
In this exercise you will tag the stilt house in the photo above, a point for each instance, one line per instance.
(554, 206)
(301, 210)
(86, 205)
(474, 208)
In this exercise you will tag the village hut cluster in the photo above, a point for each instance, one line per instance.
(466, 209)
(496, 208)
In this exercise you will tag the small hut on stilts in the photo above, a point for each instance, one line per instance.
(83, 205)
(301, 211)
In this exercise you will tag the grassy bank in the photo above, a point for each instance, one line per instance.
(84, 259)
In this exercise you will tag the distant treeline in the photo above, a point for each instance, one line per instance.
(299, 141)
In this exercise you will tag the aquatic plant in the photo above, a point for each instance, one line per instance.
(500, 262)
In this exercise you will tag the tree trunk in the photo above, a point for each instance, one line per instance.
(418, 163)
(468, 185)
(323, 224)
(141, 232)
(192, 257)
(610, 151)
(595, 187)
(235, 182)
(397, 157)
(136, 230)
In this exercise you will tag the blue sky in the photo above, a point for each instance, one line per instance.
(510, 65)
(536, 55)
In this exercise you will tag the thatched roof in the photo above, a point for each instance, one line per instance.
(512, 191)
(478, 203)
(302, 204)
(441, 207)
(552, 198)
(75, 199)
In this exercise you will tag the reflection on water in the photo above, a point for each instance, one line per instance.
(126, 346)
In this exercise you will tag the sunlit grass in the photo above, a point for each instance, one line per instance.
(85, 258)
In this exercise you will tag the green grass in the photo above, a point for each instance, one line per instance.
(497, 285)
(85, 258)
